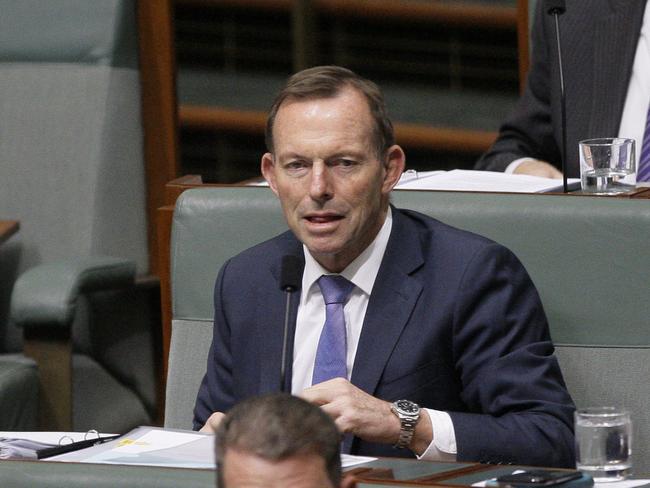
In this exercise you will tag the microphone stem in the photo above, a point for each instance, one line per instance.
(562, 101)
(285, 337)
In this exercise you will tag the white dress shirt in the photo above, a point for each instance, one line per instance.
(638, 94)
(362, 272)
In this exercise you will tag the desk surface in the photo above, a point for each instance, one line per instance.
(384, 472)
(7, 229)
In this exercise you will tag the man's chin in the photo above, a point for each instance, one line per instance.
(323, 252)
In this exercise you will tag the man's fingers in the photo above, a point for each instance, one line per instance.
(535, 167)
(326, 392)
(213, 422)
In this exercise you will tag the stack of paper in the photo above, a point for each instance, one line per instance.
(469, 180)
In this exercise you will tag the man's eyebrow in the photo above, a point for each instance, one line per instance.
(353, 154)
(290, 155)
(347, 154)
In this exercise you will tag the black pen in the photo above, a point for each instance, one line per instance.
(73, 446)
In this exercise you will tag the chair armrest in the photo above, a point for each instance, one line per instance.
(47, 294)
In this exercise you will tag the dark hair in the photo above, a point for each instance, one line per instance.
(327, 82)
(276, 427)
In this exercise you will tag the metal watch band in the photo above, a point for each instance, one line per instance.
(406, 432)
(408, 414)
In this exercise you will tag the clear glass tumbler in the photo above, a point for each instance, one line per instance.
(607, 165)
(604, 442)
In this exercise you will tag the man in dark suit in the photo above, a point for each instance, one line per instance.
(599, 42)
(432, 316)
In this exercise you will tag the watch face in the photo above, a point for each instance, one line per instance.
(407, 406)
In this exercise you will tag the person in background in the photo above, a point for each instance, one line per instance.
(417, 338)
(606, 62)
(278, 440)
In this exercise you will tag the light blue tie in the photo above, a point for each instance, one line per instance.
(332, 346)
(643, 171)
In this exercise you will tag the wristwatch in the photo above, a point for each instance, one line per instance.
(408, 414)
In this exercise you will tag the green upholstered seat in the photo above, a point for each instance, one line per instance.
(18, 392)
(72, 173)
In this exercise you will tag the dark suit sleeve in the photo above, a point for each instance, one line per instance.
(216, 390)
(518, 408)
(528, 131)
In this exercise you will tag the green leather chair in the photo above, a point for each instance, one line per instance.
(72, 173)
(18, 392)
(588, 257)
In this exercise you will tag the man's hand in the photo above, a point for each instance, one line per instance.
(213, 422)
(535, 167)
(354, 411)
(363, 415)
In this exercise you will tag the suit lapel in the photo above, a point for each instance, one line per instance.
(393, 297)
(615, 38)
(271, 324)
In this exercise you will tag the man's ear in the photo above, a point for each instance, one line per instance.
(394, 167)
(268, 171)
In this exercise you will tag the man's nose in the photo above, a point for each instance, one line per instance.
(321, 183)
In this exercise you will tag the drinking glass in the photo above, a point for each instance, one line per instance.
(604, 442)
(607, 165)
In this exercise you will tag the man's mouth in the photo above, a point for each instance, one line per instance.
(323, 218)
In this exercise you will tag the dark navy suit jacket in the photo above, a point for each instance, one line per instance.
(454, 323)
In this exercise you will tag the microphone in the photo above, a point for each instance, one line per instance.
(557, 8)
(290, 280)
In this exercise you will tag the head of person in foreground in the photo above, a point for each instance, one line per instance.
(278, 440)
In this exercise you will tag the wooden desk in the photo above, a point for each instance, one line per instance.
(7, 229)
(384, 472)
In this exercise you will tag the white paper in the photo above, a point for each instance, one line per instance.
(55, 438)
(348, 460)
(470, 180)
(47, 437)
(150, 446)
(153, 440)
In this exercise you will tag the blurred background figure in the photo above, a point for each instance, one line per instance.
(606, 62)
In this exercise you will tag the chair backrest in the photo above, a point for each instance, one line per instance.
(71, 167)
(588, 257)
(233, 220)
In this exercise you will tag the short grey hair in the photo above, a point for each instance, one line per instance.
(276, 427)
(327, 82)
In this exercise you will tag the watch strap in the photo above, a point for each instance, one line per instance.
(406, 432)
(408, 421)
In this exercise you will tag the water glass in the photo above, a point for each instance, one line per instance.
(604, 442)
(607, 165)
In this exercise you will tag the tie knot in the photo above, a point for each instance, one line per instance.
(335, 288)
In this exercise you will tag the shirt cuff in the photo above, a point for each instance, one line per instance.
(510, 169)
(443, 445)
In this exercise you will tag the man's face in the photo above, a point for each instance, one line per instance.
(330, 181)
(244, 470)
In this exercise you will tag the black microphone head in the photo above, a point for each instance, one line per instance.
(555, 6)
(291, 273)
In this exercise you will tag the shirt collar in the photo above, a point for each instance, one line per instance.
(362, 272)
